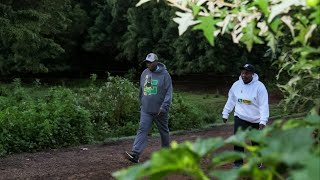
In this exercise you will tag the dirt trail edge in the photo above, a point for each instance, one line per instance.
(89, 161)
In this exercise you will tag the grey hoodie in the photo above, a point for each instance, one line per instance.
(155, 90)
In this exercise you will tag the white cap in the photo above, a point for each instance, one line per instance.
(151, 57)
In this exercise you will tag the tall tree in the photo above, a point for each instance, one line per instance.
(151, 29)
(37, 36)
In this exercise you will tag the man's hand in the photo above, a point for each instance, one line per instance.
(261, 126)
(224, 120)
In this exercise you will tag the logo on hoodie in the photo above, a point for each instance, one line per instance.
(244, 101)
(150, 86)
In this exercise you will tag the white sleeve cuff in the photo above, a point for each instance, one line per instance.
(225, 116)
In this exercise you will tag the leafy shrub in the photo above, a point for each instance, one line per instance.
(286, 148)
(183, 115)
(36, 118)
(129, 129)
(112, 105)
(70, 122)
(53, 121)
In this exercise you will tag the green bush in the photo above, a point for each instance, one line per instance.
(70, 122)
(183, 115)
(37, 117)
(112, 105)
(53, 121)
(128, 129)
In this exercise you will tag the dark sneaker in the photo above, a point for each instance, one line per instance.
(132, 157)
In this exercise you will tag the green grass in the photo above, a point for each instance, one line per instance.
(205, 102)
(208, 105)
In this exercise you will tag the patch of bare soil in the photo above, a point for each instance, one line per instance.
(91, 161)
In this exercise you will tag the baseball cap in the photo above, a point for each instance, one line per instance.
(151, 57)
(248, 67)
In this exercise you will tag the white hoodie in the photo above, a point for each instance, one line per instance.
(250, 101)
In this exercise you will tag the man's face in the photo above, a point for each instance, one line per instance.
(151, 65)
(246, 76)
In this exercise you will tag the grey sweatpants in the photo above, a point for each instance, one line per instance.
(145, 125)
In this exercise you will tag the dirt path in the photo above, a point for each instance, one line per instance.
(88, 161)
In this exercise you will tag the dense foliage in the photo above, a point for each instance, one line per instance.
(289, 149)
(34, 34)
(41, 117)
(289, 28)
(94, 36)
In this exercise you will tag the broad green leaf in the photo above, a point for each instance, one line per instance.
(227, 157)
(181, 159)
(133, 172)
(274, 25)
(225, 174)
(305, 65)
(165, 162)
(315, 16)
(310, 169)
(293, 124)
(302, 34)
(184, 20)
(250, 169)
(258, 136)
(195, 10)
(204, 146)
(313, 119)
(250, 35)
(252, 148)
(263, 5)
(238, 139)
(290, 147)
(207, 25)
(174, 158)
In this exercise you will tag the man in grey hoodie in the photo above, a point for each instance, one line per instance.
(155, 99)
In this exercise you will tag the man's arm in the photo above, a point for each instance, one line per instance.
(263, 106)
(141, 89)
(168, 96)
(231, 102)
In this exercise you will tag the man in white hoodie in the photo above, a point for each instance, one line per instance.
(249, 97)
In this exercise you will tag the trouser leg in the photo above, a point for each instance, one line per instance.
(254, 126)
(239, 123)
(140, 140)
(162, 124)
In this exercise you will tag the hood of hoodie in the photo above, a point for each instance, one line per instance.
(254, 79)
(161, 68)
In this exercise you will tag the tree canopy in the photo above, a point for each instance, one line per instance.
(98, 35)
(290, 28)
